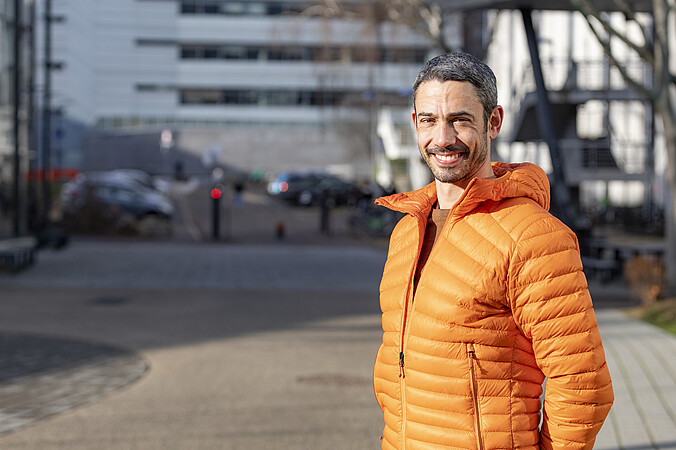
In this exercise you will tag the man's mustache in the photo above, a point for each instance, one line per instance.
(455, 148)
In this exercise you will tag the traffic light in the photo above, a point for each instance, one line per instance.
(216, 194)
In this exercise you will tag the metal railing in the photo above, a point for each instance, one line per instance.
(629, 152)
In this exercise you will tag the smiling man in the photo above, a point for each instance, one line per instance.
(483, 295)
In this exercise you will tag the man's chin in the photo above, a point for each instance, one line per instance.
(448, 175)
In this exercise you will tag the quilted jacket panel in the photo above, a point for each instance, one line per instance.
(501, 304)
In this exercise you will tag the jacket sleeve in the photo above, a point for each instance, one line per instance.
(553, 308)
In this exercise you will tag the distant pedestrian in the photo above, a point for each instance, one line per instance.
(239, 193)
(483, 295)
(179, 171)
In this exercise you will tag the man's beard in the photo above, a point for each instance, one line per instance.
(466, 168)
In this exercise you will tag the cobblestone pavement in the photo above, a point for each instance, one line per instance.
(41, 376)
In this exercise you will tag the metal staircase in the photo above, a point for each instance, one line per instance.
(607, 157)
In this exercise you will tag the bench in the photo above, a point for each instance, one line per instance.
(17, 253)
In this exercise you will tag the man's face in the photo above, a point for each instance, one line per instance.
(452, 133)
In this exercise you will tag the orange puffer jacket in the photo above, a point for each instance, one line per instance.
(501, 304)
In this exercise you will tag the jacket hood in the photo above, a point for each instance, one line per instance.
(512, 181)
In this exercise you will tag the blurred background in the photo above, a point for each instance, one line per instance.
(205, 127)
(246, 94)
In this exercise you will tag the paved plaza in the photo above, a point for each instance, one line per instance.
(221, 346)
(135, 344)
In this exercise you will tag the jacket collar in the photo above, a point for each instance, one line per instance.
(512, 181)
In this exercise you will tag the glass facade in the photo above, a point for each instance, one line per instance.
(279, 97)
(317, 53)
(243, 8)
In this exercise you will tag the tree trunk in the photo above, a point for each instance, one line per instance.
(665, 103)
(667, 112)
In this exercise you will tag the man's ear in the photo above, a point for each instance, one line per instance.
(495, 122)
(415, 122)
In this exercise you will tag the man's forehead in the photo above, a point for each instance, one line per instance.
(440, 91)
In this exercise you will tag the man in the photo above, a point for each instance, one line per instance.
(483, 294)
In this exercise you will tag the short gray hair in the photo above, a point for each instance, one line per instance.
(461, 66)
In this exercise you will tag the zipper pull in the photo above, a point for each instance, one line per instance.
(401, 365)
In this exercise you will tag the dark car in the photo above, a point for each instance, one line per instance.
(110, 200)
(311, 188)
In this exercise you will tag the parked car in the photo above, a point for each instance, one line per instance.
(112, 200)
(309, 188)
(141, 177)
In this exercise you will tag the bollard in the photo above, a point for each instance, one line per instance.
(325, 207)
(280, 229)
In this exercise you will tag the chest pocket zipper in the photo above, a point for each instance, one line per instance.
(471, 356)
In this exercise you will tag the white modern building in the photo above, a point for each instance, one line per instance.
(257, 84)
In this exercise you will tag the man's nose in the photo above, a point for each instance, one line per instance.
(445, 135)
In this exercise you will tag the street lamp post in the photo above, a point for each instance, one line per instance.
(46, 114)
(32, 205)
(16, 117)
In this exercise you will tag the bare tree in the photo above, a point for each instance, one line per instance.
(660, 91)
(424, 17)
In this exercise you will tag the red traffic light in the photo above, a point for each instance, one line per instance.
(216, 193)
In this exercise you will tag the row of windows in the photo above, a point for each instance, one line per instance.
(159, 123)
(308, 53)
(243, 8)
(280, 97)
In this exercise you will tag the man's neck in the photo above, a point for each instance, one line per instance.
(448, 194)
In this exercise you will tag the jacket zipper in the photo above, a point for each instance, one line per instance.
(402, 370)
(475, 396)
(408, 306)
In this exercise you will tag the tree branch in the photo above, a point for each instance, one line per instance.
(639, 87)
(663, 76)
(623, 6)
(424, 18)
(585, 7)
(328, 9)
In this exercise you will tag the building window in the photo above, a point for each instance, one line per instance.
(200, 6)
(272, 97)
(188, 7)
(189, 52)
(282, 97)
(243, 8)
(319, 53)
(201, 96)
(211, 53)
(233, 8)
(237, 52)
